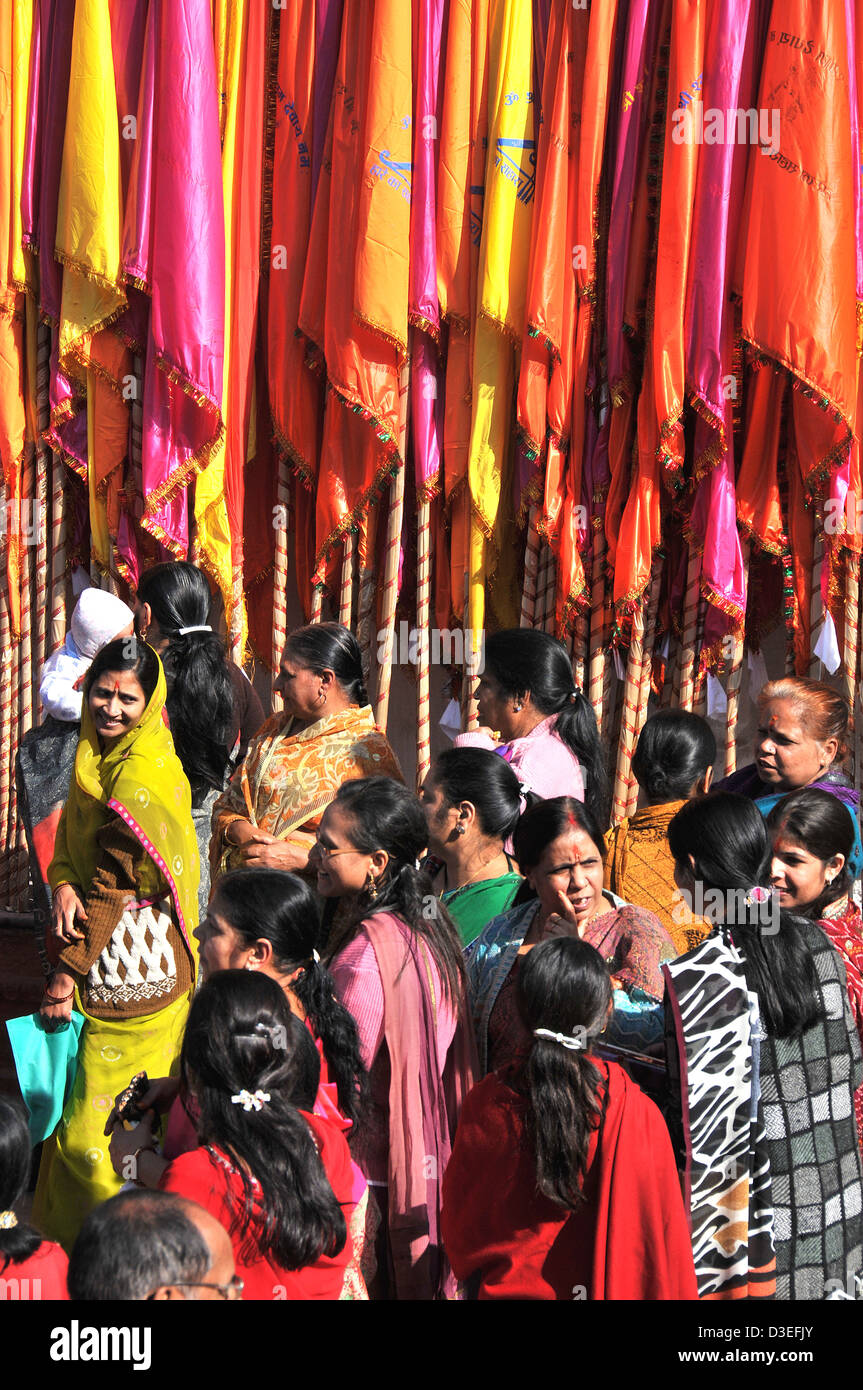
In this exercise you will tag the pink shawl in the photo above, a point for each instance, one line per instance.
(426, 1095)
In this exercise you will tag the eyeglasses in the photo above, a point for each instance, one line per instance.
(231, 1293)
(326, 853)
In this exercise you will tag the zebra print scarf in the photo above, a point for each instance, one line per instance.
(726, 1170)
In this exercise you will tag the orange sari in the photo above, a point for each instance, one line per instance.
(288, 780)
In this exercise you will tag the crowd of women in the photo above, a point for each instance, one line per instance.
(463, 1044)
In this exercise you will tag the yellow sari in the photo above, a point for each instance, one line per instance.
(140, 779)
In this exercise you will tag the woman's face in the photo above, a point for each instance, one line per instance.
(441, 818)
(786, 756)
(117, 703)
(571, 865)
(495, 708)
(221, 947)
(801, 877)
(342, 869)
(300, 688)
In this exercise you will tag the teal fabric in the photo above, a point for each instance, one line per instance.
(46, 1064)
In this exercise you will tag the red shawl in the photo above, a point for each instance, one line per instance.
(425, 1097)
(628, 1240)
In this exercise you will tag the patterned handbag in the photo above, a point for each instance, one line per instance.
(138, 962)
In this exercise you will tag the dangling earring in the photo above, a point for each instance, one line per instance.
(461, 830)
(371, 886)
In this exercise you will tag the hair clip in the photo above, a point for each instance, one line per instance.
(198, 627)
(572, 1044)
(250, 1101)
(757, 894)
(316, 958)
(8, 1219)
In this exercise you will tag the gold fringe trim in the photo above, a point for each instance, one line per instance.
(182, 476)
(718, 600)
(104, 281)
(400, 346)
(426, 326)
(531, 497)
(501, 326)
(800, 382)
(300, 465)
(386, 470)
(138, 282)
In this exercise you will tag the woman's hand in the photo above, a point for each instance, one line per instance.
(263, 851)
(159, 1097)
(126, 1142)
(59, 986)
(562, 923)
(67, 909)
(238, 832)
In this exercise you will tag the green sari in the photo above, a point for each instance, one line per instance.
(474, 906)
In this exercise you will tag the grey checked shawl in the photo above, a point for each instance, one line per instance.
(807, 1097)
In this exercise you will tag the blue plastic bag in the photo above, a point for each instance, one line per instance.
(46, 1064)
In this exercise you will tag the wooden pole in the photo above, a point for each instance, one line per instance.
(597, 663)
(646, 673)
(735, 675)
(280, 571)
(392, 553)
(626, 738)
(851, 647)
(346, 593)
(367, 592)
(423, 639)
(816, 603)
(690, 631)
(531, 571)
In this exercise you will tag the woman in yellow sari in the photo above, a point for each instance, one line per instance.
(672, 762)
(125, 881)
(326, 735)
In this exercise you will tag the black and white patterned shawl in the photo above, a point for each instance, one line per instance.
(726, 1172)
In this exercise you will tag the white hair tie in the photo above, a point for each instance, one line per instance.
(316, 958)
(250, 1101)
(199, 627)
(573, 1044)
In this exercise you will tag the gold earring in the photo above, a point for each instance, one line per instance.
(371, 886)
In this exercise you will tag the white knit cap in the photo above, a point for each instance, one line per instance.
(98, 617)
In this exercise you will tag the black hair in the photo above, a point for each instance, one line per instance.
(17, 1243)
(384, 815)
(549, 819)
(727, 839)
(125, 654)
(134, 1244)
(331, 647)
(563, 986)
(241, 1035)
(822, 824)
(282, 908)
(200, 699)
(674, 749)
(523, 659)
(487, 781)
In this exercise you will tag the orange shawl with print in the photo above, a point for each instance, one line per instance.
(289, 779)
(639, 867)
